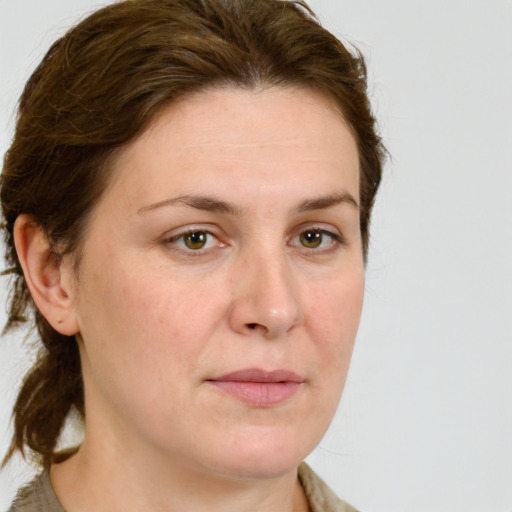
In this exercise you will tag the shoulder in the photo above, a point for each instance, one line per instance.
(319, 495)
(37, 496)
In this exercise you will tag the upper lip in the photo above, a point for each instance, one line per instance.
(258, 375)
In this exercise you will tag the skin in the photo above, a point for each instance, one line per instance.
(157, 320)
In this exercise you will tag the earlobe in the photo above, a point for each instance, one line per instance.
(48, 275)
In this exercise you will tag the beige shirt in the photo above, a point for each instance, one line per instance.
(38, 496)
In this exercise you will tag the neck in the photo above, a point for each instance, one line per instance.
(103, 480)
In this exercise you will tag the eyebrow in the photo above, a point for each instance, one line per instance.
(322, 203)
(211, 204)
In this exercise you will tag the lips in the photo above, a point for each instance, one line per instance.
(259, 388)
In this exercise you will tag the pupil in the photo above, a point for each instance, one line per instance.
(196, 240)
(311, 238)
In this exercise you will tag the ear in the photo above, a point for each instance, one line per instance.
(49, 277)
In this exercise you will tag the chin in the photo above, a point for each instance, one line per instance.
(259, 469)
(263, 456)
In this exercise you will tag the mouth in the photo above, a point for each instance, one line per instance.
(259, 388)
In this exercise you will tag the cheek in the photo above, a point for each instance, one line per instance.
(139, 341)
(334, 320)
(183, 313)
(149, 321)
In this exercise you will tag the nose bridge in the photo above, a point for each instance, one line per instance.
(266, 299)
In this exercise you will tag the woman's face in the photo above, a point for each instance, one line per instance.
(221, 283)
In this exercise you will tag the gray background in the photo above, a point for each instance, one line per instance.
(426, 419)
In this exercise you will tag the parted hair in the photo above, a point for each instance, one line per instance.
(96, 89)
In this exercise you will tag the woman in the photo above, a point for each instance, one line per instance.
(187, 200)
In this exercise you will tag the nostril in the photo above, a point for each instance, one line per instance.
(255, 326)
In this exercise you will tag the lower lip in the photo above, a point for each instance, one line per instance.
(258, 394)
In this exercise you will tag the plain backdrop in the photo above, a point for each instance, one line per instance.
(425, 424)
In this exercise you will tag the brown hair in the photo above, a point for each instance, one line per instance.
(97, 88)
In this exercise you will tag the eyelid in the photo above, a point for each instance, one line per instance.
(327, 228)
(190, 228)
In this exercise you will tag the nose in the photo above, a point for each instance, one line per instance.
(265, 297)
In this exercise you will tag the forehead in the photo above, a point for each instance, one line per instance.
(262, 138)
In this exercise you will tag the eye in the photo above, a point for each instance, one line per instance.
(316, 238)
(195, 240)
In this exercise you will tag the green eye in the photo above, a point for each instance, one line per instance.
(311, 238)
(195, 240)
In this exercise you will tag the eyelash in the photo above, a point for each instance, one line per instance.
(337, 241)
